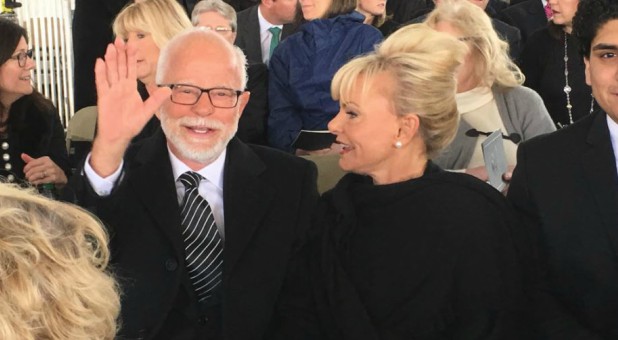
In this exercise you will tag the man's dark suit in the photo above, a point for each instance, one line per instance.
(565, 188)
(528, 16)
(248, 36)
(268, 198)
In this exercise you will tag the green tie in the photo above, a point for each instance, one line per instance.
(274, 41)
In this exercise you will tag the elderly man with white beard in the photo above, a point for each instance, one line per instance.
(203, 227)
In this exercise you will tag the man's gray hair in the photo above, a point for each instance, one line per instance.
(199, 33)
(218, 6)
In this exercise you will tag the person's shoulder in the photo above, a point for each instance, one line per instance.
(539, 37)
(558, 142)
(462, 186)
(519, 93)
(245, 14)
(277, 159)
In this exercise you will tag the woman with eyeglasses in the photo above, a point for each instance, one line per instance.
(32, 145)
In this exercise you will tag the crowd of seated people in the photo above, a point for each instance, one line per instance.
(216, 227)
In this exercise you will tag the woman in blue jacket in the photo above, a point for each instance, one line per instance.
(303, 65)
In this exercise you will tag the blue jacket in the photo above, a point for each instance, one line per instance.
(302, 68)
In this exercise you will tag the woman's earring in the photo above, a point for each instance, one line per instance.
(398, 144)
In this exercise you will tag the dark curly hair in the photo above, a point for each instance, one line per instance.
(590, 16)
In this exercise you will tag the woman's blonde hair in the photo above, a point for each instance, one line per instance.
(53, 278)
(163, 19)
(422, 62)
(493, 64)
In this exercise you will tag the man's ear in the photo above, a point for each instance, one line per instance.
(243, 99)
(587, 71)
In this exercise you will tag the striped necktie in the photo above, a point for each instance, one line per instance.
(203, 244)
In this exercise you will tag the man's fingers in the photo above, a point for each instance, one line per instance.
(100, 77)
(131, 61)
(111, 64)
(121, 58)
(156, 99)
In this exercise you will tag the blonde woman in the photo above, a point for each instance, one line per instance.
(407, 250)
(489, 92)
(149, 25)
(53, 278)
(375, 15)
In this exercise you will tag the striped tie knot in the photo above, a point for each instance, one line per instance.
(190, 180)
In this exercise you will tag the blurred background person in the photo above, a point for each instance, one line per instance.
(32, 145)
(149, 25)
(554, 68)
(220, 17)
(92, 31)
(407, 250)
(528, 16)
(302, 67)
(506, 32)
(53, 279)
(262, 27)
(565, 189)
(375, 15)
(489, 92)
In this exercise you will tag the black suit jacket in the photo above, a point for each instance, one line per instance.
(565, 188)
(268, 197)
(92, 31)
(528, 16)
(248, 37)
(252, 124)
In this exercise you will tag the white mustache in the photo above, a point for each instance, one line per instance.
(201, 123)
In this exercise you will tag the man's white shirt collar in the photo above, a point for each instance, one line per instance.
(213, 172)
(613, 135)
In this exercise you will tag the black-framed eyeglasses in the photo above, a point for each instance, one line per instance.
(219, 97)
(22, 56)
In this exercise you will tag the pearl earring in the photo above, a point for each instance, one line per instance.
(398, 144)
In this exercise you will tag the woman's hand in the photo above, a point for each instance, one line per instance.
(43, 170)
(480, 172)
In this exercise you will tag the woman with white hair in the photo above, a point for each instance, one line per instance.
(489, 92)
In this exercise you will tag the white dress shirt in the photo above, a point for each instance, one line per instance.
(613, 135)
(266, 36)
(211, 188)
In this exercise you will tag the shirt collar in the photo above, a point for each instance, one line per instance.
(265, 24)
(213, 172)
(613, 135)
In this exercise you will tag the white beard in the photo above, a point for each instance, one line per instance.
(204, 155)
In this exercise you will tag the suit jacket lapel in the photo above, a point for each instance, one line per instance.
(600, 172)
(252, 32)
(246, 199)
(152, 180)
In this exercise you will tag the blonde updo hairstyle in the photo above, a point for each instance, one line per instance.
(53, 278)
(422, 62)
(163, 19)
(492, 63)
